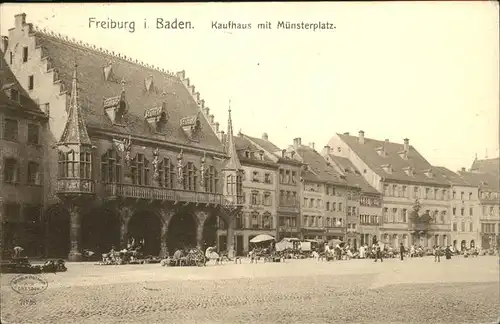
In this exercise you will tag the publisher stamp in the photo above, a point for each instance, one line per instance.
(29, 284)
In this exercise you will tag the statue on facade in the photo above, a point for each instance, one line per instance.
(180, 167)
(128, 148)
(202, 171)
(156, 164)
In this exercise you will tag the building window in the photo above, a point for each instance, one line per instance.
(267, 178)
(111, 169)
(471, 227)
(85, 165)
(11, 130)
(255, 177)
(340, 207)
(454, 194)
(33, 134)
(25, 54)
(230, 184)
(33, 173)
(31, 82)
(294, 177)
(11, 171)
(211, 179)
(266, 220)
(454, 211)
(255, 198)
(327, 205)
(404, 215)
(139, 168)
(167, 174)
(190, 178)
(282, 176)
(267, 199)
(334, 206)
(454, 227)
(255, 220)
(462, 211)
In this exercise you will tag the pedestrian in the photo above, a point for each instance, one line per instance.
(17, 251)
(401, 251)
(448, 252)
(437, 254)
(378, 254)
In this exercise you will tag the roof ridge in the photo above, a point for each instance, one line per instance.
(72, 41)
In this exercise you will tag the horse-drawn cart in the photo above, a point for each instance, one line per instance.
(194, 257)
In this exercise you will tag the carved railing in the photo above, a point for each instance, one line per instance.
(155, 193)
(75, 186)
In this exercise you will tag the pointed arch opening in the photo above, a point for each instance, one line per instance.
(58, 223)
(101, 230)
(145, 228)
(181, 232)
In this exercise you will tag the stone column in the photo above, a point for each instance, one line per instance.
(201, 217)
(75, 233)
(230, 233)
(163, 244)
(125, 215)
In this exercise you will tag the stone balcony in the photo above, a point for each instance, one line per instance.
(113, 190)
(75, 187)
(419, 227)
(288, 208)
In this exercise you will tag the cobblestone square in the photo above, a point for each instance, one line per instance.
(298, 291)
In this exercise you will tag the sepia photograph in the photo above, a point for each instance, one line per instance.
(292, 162)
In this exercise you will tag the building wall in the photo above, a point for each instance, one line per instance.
(22, 202)
(370, 218)
(255, 208)
(288, 209)
(47, 91)
(465, 215)
(489, 221)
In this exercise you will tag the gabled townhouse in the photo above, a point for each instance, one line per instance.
(405, 179)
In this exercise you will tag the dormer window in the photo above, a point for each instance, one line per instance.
(428, 173)
(403, 154)
(191, 126)
(409, 171)
(14, 95)
(247, 154)
(148, 83)
(261, 155)
(115, 108)
(380, 151)
(387, 168)
(157, 118)
(108, 72)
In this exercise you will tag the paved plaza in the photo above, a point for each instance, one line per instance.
(298, 291)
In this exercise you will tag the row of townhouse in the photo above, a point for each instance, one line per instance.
(147, 160)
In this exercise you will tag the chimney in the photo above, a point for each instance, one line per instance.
(326, 149)
(265, 137)
(361, 138)
(463, 169)
(346, 133)
(311, 145)
(406, 145)
(20, 20)
(222, 137)
(211, 118)
(216, 125)
(5, 43)
(207, 111)
(387, 140)
(297, 142)
(283, 152)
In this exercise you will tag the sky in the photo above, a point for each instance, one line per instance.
(424, 71)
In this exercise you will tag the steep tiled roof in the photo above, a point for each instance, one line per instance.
(234, 162)
(486, 165)
(95, 89)
(243, 145)
(75, 130)
(452, 177)
(321, 171)
(265, 144)
(487, 181)
(367, 151)
(351, 174)
(272, 149)
(9, 81)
